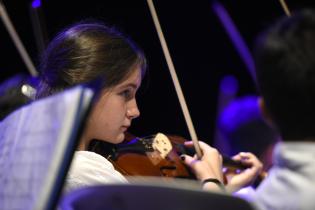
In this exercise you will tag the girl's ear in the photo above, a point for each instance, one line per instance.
(264, 112)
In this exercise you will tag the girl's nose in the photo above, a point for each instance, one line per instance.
(133, 111)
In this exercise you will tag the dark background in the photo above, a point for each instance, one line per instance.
(201, 50)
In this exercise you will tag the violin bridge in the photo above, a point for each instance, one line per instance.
(162, 144)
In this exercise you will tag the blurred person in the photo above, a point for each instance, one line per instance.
(244, 129)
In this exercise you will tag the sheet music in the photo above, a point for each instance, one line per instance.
(32, 142)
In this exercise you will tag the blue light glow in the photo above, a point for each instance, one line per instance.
(235, 37)
(229, 85)
(36, 4)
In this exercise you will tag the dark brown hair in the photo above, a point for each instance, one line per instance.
(285, 61)
(87, 51)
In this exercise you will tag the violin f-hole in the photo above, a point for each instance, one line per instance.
(166, 170)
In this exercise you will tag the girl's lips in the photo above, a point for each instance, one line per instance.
(125, 128)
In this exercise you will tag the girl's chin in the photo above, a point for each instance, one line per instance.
(116, 139)
(120, 138)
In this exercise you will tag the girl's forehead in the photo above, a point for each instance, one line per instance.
(134, 79)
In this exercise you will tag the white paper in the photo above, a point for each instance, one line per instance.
(32, 144)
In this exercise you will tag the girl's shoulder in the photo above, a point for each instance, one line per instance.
(90, 158)
(88, 168)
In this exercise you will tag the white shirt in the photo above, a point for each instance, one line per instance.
(88, 168)
(290, 184)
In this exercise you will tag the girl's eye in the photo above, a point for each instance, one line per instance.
(127, 94)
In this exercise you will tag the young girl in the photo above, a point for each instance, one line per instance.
(88, 51)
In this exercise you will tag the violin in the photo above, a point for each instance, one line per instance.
(155, 155)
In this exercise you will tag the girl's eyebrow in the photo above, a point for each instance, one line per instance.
(132, 85)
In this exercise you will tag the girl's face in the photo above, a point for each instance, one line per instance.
(114, 111)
